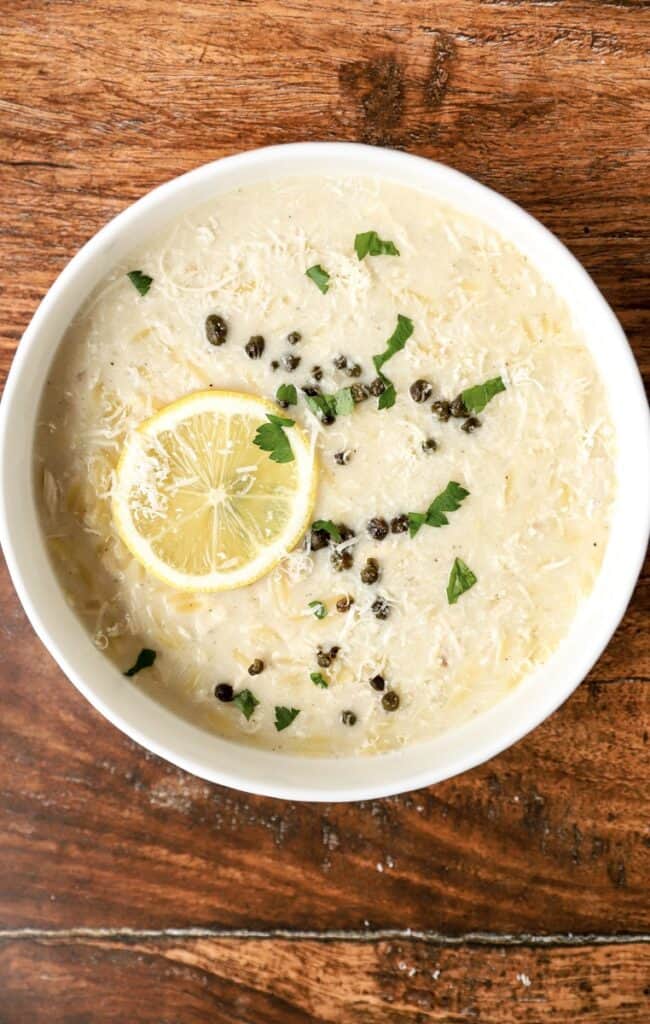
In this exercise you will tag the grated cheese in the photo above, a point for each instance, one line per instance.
(539, 471)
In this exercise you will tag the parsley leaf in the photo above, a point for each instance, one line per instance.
(388, 395)
(246, 702)
(341, 403)
(329, 527)
(270, 437)
(395, 343)
(318, 679)
(322, 406)
(416, 520)
(448, 500)
(145, 659)
(320, 611)
(287, 393)
(284, 717)
(320, 277)
(477, 398)
(141, 282)
(461, 578)
(368, 243)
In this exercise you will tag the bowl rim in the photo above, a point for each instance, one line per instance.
(274, 775)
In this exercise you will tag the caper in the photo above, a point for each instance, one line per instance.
(378, 683)
(340, 362)
(216, 329)
(458, 409)
(399, 524)
(224, 692)
(353, 370)
(371, 571)
(378, 528)
(342, 458)
(319, 539)
(256, 667)
(359, 393)
(294, 337)
(420, 390)
(380, 608)
(430, 445)
(325, 658)
(317, 372)
(441, 410)
(274, 364)
(344, 603)
(341, 560)
(345, 532)
(470, 425)
(377, 387)
(390, 701)
(348, 718)
(290, 362)
(255, 346)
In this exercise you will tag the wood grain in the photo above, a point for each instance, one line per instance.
(229, 981)
(552, 836)
(547, 101)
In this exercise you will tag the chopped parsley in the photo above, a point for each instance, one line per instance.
(388, 395)
(324, 406)
(287, 393)
(145, 659)
(284, 717)
(477, 398)
(343, 402)
(271, 437)
(318, 608)
(461, 578)
(140, 281)
(318, 679)
(246, 702)
(448, 500)
(395, 343)
(329, 527)
(368, 243)
(320, 277)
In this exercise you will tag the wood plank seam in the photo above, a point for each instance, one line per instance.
(433, 938)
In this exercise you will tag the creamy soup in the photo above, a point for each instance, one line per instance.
(415, 614)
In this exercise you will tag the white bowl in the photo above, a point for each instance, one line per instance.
(264, 772)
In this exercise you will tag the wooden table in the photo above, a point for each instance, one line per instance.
(131, 892)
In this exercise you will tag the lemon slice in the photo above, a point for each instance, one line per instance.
(202, 507)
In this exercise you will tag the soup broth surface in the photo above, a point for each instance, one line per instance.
(538, 467)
